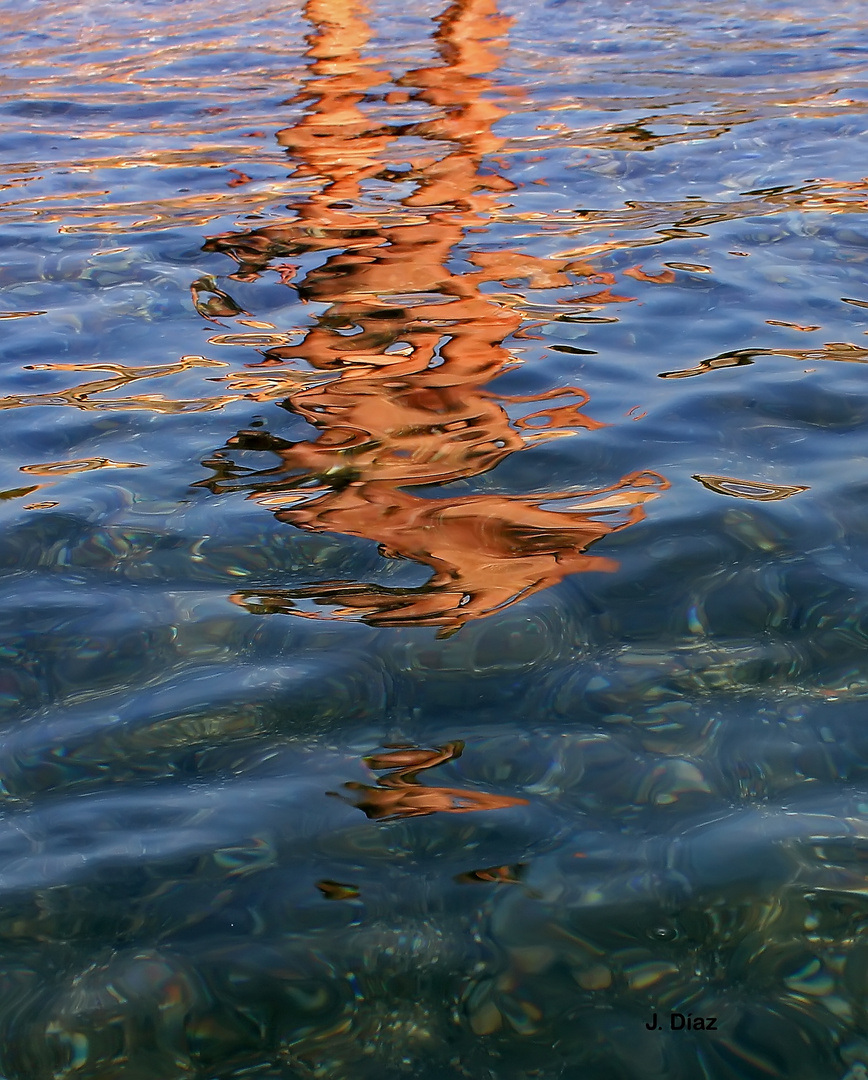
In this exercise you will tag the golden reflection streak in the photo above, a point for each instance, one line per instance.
(688, 218)
(408, 406)
(18, 493)
(840, 351)
(163, 214)
(759, 490)
(122, 374)
(638, 135)
(77, 465)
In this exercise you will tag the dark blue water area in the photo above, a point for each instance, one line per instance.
(433, 541)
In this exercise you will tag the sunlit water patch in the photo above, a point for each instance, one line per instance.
(433, 546)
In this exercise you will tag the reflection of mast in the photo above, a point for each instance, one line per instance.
(409, 405)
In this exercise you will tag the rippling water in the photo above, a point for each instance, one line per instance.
(434, 540)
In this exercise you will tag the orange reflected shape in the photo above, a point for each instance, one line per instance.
(398, 794)
(496, 875)
(337, 890)
(665, 277)
(412, 345)
(486, 551)
(417, 800)
(605, 296)
(404, 761)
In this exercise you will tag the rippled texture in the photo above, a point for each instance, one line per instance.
(434, 558)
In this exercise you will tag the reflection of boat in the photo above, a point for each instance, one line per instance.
(414, 343)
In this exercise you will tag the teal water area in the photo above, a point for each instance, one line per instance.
(433, 540)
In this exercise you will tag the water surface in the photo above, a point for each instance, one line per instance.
(434, 540)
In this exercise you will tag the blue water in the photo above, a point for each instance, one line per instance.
(434, 540)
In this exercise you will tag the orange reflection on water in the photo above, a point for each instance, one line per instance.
(412, 343)
(399, 794)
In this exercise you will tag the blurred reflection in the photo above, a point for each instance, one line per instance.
(412, 343)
